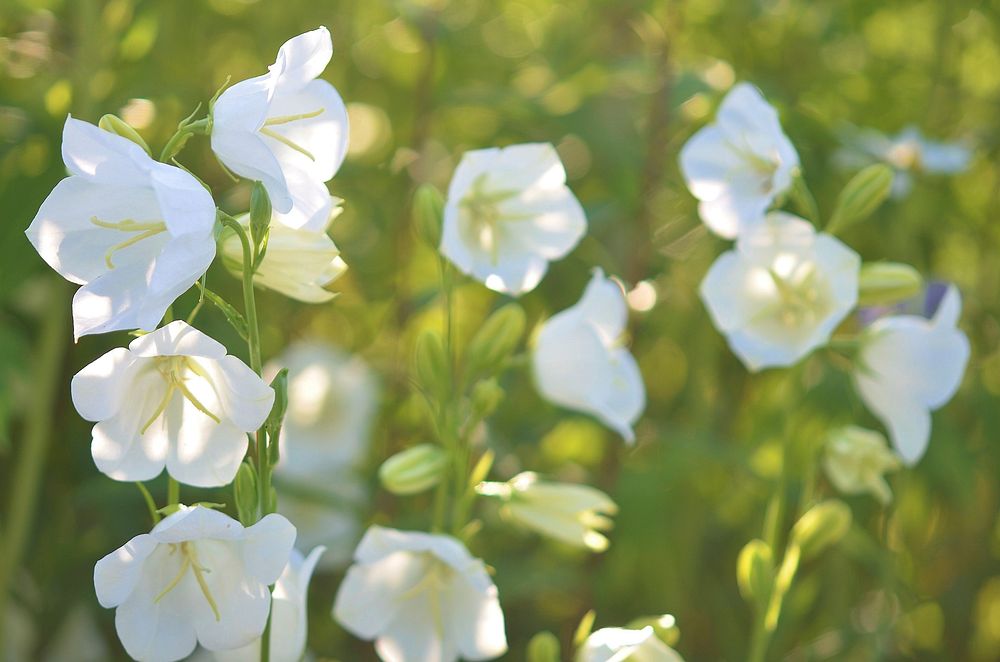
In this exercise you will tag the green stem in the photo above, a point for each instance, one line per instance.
(150, 503)
(173, 491)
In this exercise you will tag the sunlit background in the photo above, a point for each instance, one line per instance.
(617, 86)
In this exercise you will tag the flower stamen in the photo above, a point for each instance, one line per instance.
(145, 230)
(191, 561)
(285, 119)
(287, 142)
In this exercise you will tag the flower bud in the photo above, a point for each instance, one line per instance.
(856, 460)
(888, 282)
(486, 397)
(414, 470)
(245, 494)
(118, 126)
(755, 572)
(428, 211)
(495, 340)
(664, 627)
(862, 196)
(273, 423)
(544, 647)
(431, 364)
(823, 525)
(260, 214)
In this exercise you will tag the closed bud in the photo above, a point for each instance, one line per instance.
(431, 364)
(544, 647)
(884, 283)
(428, 212)
(245, 494)
(664, 627)
(495, 341)
(755, 572)
(260, 213)
(823, 525)
(413, 470)
(119, 127)
(486, 397)
(863, 194)
(280, 386)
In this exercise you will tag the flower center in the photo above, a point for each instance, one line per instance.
(144, 230)
(803, 299)
(176, 370)
(285, 140)
(190, 562)
(434, 581)
(480, 218)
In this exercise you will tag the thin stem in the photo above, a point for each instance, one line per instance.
(150, 503)
(173, 491)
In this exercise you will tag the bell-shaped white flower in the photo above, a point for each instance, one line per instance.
(573, 514)
(907, 367)
(299, 263)
(333, 399)
(508, 214)
(624, 645)
(782, 291)
(173, 398)
(421, 597)
(133, 232)
(199, 577)
(579, 362)
(288, 616)
(737, 166)
(856, 459)
(286, 129)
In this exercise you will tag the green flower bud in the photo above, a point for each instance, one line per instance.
(278, 409)
(495, 341)
(414, 470)
(428, 213)
(755, 572)
(119, 127)
(245, 494)
(823, 525)
(887, 283)
(544, 647)
(260, 216)
(665, 627)
(432, 365)
(486, 397)
(863, 194)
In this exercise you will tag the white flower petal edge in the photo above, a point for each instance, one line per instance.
(508, 214)
(289, 618)
(737, 166)
(579, 364)
(133, 232)
(198, 577)
(287, 129)
(172, 399)
(909, 366)
(621, 644)
(421, 596)
(781, 292)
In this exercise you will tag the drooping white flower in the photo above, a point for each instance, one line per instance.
(287, 129)
(199, 577)
(579, 362)
(508, 214)
(133, 232)
(288, 617)
(573, 514)
(737, 166)
(856, 459)
(421, 596)
(173, 398)
(907, 367)
(299, 263)
(332, 403)
(624, 645)
(781, 292)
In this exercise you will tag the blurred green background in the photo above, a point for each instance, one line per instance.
(617, 86)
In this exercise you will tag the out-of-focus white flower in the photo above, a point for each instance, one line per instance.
(289, 615)
(573, 514)
(133, 232)
(332, 402)
(623, 645)
(421, 596)
(781, 292)
(737, 166)
(907, 367)
(508, 214)
(907, 152)
(579, 362)
(856, 460)
(286, 129)
(173, 398)
(198, 577)
(299, 263)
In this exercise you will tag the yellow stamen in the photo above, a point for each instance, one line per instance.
(145, 230)
(193, 400)
(191, 561)
(160, 408)
(285, 119)
(200, 578)
(176, 580)
(286, 141)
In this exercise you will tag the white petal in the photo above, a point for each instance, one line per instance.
(909, 422)
(177, 339)
(414, 633)
(268, 547)
(624, 396)
(182, 262)
(243, 602)
(369, 596)
(301, 59)
(117, 574)
(186, 205)
(202, 453)
(99, 389)
(603, 307)
(101, 156)
(557, 225)
(570, 363)
(120, 447)
(244, 397)
(324, 136)
(112, 302)
(312, 203)
(724, 292)
(246, 154)
(730, 214)
(950, 308)
(708, 162)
